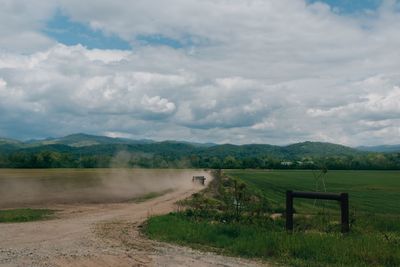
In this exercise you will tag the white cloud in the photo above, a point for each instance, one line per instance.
(3, 84)
(106, 56)
(157, 104)
(268, 124)
(118, 135)
(375, 105)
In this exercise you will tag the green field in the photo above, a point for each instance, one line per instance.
(369, 191)
(374, 239)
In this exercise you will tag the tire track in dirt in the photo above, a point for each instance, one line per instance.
(102, 235)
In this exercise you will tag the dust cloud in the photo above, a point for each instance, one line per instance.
(45, 187)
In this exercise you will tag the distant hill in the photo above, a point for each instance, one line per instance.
(9, 141)
(319, 149)
(96, 145)
(82, 140)
(88, 151)
(9, 145)
(195, 144)
(382, 148)
(251, 150)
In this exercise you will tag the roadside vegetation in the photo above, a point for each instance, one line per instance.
(240, 214)
(24, 215)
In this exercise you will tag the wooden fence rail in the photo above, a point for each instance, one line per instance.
(343, 198)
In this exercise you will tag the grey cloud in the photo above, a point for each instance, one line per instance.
(270, 71)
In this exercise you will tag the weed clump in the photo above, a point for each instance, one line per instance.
(24, 215)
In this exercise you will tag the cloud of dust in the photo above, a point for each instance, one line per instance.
(126, 182)
(46, 187)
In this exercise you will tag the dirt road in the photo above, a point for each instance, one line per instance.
(101, 235)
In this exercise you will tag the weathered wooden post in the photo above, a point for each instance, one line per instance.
(344, 208)
(289, 210)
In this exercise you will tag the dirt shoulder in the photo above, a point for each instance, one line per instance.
(102, 235)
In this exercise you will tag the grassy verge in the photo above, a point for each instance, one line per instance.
(24, 215)
(233, 216)
(298, 249)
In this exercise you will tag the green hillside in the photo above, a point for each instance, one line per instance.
(8, 141)
(82, 140)
(320, 149)
(82, 150)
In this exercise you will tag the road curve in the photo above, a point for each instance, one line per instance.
(102, 235)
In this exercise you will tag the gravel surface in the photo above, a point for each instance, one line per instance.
(102, 235)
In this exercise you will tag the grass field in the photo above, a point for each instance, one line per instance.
(374, 239)
(369, 191)
(24, 215)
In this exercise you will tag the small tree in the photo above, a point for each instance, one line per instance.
(239, 198)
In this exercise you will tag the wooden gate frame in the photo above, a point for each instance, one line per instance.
(343, 198)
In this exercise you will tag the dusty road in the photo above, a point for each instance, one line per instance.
(101, 235)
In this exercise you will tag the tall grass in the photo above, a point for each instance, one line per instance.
(297, 249)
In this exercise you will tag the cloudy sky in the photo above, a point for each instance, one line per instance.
(238, 71)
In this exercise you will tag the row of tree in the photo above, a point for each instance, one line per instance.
(51, 159)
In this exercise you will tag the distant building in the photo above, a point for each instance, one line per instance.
(286, 163)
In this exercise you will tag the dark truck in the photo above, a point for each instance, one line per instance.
(199, 179)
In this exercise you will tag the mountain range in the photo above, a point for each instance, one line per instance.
(92, 144)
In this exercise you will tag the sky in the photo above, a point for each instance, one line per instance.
(222, 71)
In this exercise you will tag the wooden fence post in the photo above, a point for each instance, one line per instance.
(289, 211)
(344, 208)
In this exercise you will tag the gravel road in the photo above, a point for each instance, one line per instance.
(102, 235)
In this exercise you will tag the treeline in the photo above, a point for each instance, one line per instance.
(53, 159)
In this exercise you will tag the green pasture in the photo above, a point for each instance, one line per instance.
(369, 191)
